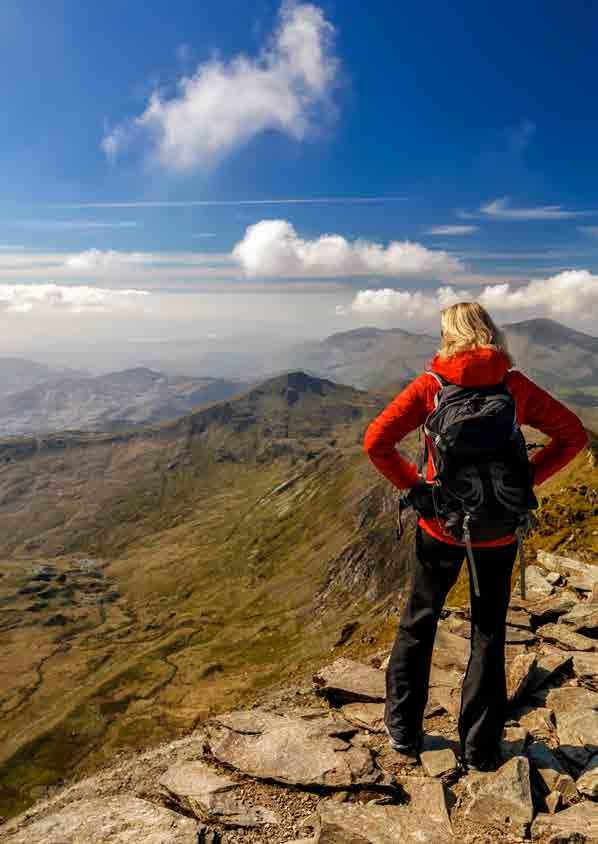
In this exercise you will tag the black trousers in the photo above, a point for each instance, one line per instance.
(484, 696)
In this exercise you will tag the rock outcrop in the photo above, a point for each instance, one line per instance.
(318, 769)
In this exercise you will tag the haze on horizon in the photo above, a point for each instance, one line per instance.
(203, 185)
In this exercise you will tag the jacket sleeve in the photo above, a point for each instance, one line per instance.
(405, 413)
(539, 409)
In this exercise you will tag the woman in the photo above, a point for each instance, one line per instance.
(473, 353)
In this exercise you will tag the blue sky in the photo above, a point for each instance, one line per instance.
(148, 150)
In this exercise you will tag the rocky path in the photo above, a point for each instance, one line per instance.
(313, 765)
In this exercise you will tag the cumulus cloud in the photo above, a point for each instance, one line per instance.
(569, 295)
(501, 209)
(452, 231)
(22, 298)
(273, 248)
(226, 103)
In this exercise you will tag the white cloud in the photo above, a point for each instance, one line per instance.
(571, 295)
(207, 203)
(23, 298)
(97, 259)
(225, 104)
(273, 248)
(501, 209)
(452, 231)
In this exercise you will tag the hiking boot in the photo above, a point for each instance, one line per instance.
(408, 751)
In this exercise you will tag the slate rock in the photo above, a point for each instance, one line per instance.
(587, 782)
(536, 584)
(567, 565)
(578, 735)
(424, 820)
(585, 668)
(519, 636)
(570, 698)
(538, 721)
(552, 607)
(295, 752)
(518, 618)
(553, 802)
(368, 716)
(346, 680)
(582, 619)
(211, 797)
(554, 578)
(548, 768)
(513, 742)
(518, 675)
(576, 825)
(450, 650)
(503, 798)
(437, 756)
(549, 662)
(110, 820)
(566, 638)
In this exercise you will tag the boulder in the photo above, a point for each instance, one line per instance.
(566, 638)
(567, 565)
(295, 751)
(585, 668)
(587, 782)
(345, 681)
(366, 716)
(423, 820)
(518, 675)
(211, 797)
(576, 825)
(502, 799)
(578, 735)
(110, 820)
(548, 768)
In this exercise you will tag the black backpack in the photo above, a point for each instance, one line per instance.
(483, 487)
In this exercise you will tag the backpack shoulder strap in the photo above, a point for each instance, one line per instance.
(442, 382)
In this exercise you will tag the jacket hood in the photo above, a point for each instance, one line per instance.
(473, 368)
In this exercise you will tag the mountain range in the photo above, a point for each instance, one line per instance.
(151, 576)
(105, 402)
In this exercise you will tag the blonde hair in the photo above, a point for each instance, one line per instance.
(467, 325)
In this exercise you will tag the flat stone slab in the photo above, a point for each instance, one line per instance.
(295, 752)
(567, 565)
(211, 797)
(550, 770)
(578, 735)
(536, 584)
(518, 675)
(110, 820)
(549, 663)
(513, 742)
(582, 618)
(553, 607)
(502, 799)
(567, 638)
(585, 667)
(538, 721)
(366, 716)
(346, 680)
(450, 650)
(423, 820)
(570, 698)
(576, 825)
(437, 756)
(587, 782)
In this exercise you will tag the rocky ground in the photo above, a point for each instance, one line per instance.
(313, 764)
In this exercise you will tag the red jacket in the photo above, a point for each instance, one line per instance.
(474, 368)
